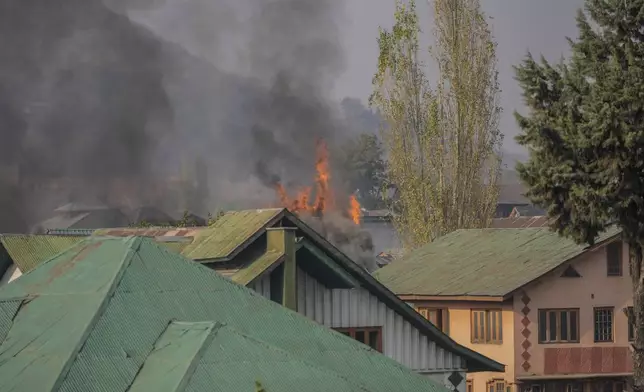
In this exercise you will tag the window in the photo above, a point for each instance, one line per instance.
(496, 386)
(614, 259)
(470, 386)
(487, 327)
(570, 272)
(603, 325)
(438, 317)
(558, 325)
(631, 323)
(371, 336)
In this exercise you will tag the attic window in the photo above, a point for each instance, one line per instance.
(614, 259)
(570, 272)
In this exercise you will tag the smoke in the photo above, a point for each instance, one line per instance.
(105, 100)
(81, 102)
(346, 236)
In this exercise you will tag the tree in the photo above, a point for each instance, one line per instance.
(365, 167)
(585, 134)
(442, 143)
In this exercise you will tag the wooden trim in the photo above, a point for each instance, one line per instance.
(486, 328)
(612, 323)
(469, 386)
(547, 326)
(441, 314)
(351, 332)
(477, 298)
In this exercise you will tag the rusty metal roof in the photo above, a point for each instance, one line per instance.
(228, 233)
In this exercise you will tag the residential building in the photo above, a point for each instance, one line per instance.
(554, 312)
(520, 222)
(126, 314)
(273, 252)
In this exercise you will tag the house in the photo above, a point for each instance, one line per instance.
(554, 312)
(126, 314)
(529, 210)
(380, 225)
(82, 216)
(520, 222)
(273, 252)
(21, 253)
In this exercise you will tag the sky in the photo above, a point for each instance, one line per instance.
(518, 26)
(215, 29)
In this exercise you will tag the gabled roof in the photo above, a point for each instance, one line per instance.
(520, 222)
(28, 251)
(125, 314)
(481, 262)
(251, 224)
(236, 230)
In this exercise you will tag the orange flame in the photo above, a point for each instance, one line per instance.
(324, 199)
(354, 209)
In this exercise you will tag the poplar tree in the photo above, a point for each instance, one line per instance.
(442, 139)
(584, 131)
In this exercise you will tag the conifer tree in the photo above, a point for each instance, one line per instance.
(585, 133)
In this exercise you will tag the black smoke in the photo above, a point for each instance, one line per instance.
(82, 103)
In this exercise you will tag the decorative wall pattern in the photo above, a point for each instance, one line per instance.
(525, 331)
(587, 360)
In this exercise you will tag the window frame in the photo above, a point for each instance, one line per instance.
(631, 323)
(486, 333)
(559, 311)
(493, 385)
(618, 246)
(351, 332)
(612, 323)
(442, 313)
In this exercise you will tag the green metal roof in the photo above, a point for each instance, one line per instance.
(27, 251)
(482, 262)
(112, 314)
(230, 231)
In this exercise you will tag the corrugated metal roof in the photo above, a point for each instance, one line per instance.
(27, 251)
(228, 233)
(80, 303)
(521, 222)
(251, 271)
(486, 262)
(71, 232)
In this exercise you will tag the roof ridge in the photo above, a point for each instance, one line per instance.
(296, 358)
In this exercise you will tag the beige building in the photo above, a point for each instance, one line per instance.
(555, 313)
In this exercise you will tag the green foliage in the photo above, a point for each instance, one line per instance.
(442, 143)
(585, 129)
(259, 387)
(585, 134)
(187, 220)
(365, 165)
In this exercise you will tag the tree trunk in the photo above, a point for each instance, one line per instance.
(635, 264)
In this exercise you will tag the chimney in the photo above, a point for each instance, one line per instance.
(282, 239)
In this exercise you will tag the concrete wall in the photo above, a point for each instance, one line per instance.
(593, 289)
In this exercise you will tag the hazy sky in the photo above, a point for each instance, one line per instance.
(518, 25)
(214, 29)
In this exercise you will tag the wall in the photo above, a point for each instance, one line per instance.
(460, 323)
(10, 275)
(358, 308)
(592, 289)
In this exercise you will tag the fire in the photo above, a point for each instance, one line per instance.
(324, 200)
(354, 209)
